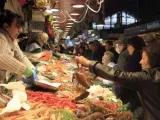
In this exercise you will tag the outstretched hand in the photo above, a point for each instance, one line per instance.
(83, 61)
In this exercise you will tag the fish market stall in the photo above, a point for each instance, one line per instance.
(65, 92)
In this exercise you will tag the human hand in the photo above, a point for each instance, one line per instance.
(83, 61)
(31, 79)
(28, 71)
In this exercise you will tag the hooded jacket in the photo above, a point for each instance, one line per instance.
(146, 83)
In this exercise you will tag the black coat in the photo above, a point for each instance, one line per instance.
(122, 62)
(146, 83)
(125, 94)
(133, 62)
(115, 54)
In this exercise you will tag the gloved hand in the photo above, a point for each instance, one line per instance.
(31, 79)
(30, 74)
(28, 71)
(37, 70)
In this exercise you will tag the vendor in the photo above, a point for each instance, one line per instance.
(36, 45)
(12, 58)
(146, 83)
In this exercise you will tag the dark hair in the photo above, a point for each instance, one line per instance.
(8, 17)
(137, 42)
(86, 46)
(82, 47)
(153, 53)
(91, 43)
(110, 43)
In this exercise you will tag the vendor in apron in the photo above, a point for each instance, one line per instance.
(12, 59)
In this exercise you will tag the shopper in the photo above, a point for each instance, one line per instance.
(12, 58)
(124, 55)
(36, 45)
(122, 64)
(97, 50)
(109, 47)
(151, 38)
(134, 47)
(146, 82)
(108, 59)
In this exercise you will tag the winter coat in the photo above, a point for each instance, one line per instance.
(146, 83)
(122, 60)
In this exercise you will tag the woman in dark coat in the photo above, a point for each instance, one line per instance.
(135, 45)
(146, 83)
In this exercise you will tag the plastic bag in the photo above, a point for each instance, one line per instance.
(19, 97)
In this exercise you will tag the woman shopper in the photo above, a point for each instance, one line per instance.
(135, 45)
(108, 59)
(36, 45)
(146, 83)
(12, 58)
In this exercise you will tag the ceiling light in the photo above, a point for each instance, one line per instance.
(55, 21)
(55, 16)
(56, 24)
(74, 14)
(100, 25)
(70, 23)
(72, 19)
(68, 26)
(78, 6)
(48, 11)
(93, 35)
(54, 10)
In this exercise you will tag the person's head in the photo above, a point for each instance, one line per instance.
(108, 45)
(135, 43)
(12, 23)
(57, 48)
(42, 38)
(97, 44)
(107, 58)
(86, 46)
(151, 56)
(122, 43)
(92, 46)
(150, 38)
(81, 50)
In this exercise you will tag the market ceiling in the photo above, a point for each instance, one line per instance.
(67, 6)
(145, 10)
